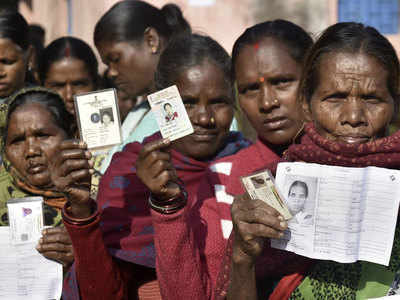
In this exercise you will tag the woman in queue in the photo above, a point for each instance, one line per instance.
(37, 122)
(350, 89)
(267, 64)
(130, 38)
(15, 58)
(123, 243)
(69, 66)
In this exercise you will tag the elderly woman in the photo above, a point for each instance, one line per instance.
(350, 89)
(167, 173)
(37, 122)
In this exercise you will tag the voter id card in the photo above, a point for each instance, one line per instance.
(170, 113)
(98, 118)
(26, 219)
(261, 185)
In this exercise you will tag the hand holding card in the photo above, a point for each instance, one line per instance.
(260, 185)
(155, 170)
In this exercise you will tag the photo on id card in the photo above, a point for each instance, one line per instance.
(170, 113)
(260, 185)
(25, 217)
(98, 118)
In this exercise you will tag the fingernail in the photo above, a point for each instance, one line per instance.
(283, 224)
(166, 141)
(91, 171)
(280, 218)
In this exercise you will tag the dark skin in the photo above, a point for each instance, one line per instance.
(208, 102)
(13, 65)
(32, 140)
(268, 92)
(68, 77)
(351, 104)
(131, 65)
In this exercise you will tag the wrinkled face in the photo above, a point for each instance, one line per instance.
(267, 79)
(208, 102)
(32, 139)
(297, 198)
(131, 66)
(13, 66)
(69, 76)
(352, 103)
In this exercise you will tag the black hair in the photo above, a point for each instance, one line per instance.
(299, 183)
(188, 51)
(295, 38)
(127, 21)
(68, 47)
(350, 37)
(50, 100)
(167, 104)
(13, 26)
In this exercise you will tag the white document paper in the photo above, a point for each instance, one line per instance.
(98, 118)
(341, 214)
(170, 113)
(26, 219)
(26, 274)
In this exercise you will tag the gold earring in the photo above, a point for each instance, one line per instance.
(276, 101)
(212, 120)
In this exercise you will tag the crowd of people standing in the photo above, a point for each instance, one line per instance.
(155, 219)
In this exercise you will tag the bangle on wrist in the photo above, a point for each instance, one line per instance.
(79, 221)
(170, 205)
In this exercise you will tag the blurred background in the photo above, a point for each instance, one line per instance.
(224, 20)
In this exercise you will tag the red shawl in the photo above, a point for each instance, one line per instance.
(384, 152)
(126, 220)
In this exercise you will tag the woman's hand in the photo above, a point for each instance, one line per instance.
(56, 245)
(71, 175)
(253, 222)
(155, 170)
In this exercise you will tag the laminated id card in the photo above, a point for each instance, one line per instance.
(260, 185)
(98, 118)
(170, 113)
(26, 219)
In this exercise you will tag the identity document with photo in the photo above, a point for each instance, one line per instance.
(98, 118)
(170, 113)
(260, 185)
(341, 214)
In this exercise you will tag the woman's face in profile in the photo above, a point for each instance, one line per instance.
(32, 139)
(351, 103)
(13, 66)
(297, 197)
